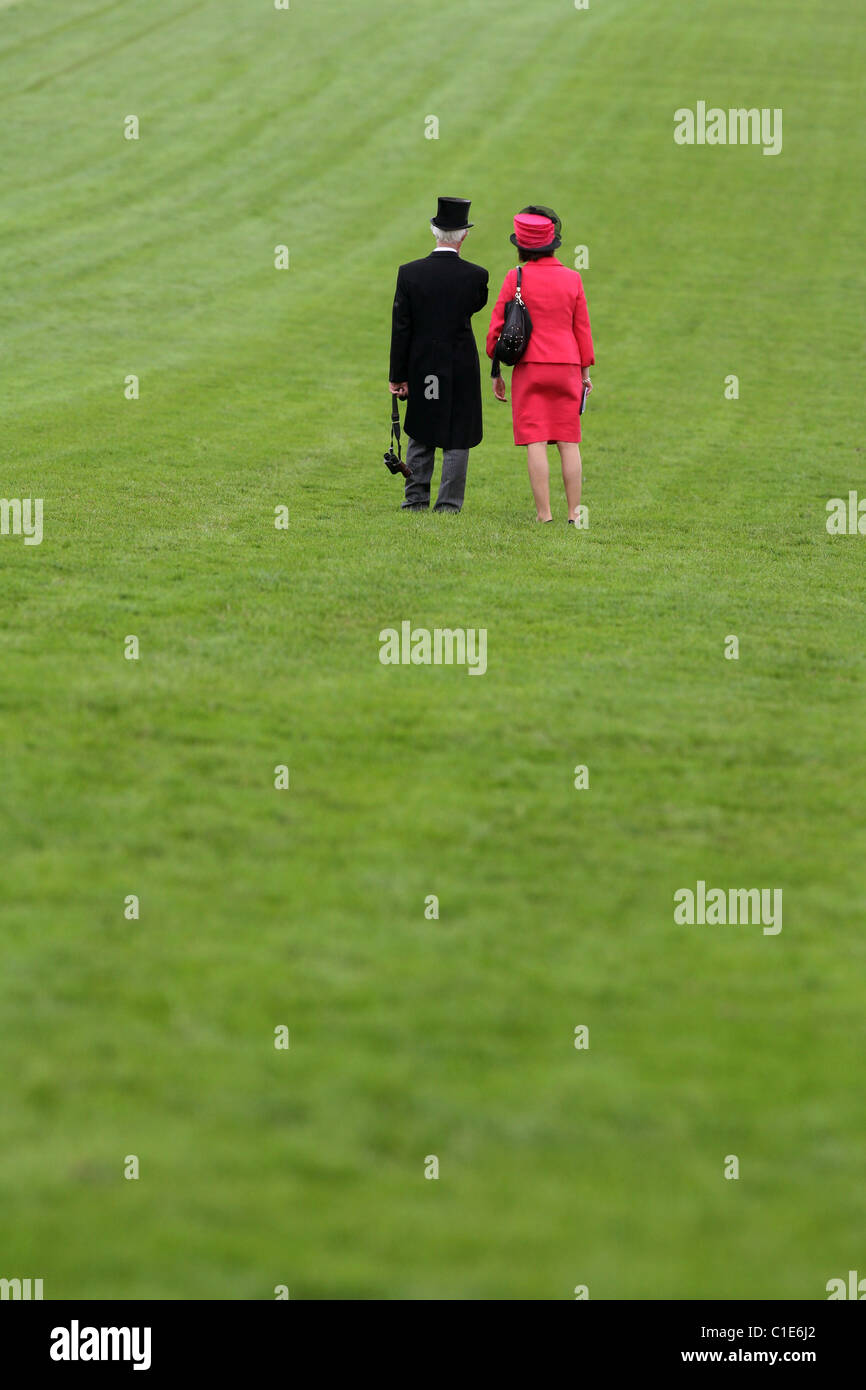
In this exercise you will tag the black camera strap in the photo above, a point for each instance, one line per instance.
(395, 427)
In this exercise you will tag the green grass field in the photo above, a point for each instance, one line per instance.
(259, 647)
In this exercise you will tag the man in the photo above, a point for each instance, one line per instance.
(434, 360)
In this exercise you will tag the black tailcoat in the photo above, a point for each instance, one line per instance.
(433, 348)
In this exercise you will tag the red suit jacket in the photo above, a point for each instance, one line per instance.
(554, 296)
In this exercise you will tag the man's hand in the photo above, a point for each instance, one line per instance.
(399, 388)
(499, 388)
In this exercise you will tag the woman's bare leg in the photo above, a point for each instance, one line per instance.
(539, 478)
(571, 476)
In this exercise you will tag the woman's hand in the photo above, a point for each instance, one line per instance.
(499, 388)
(586, 380)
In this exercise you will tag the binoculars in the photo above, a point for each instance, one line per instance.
(396, 465)
(394, 462)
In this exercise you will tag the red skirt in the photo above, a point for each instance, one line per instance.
(545, 402)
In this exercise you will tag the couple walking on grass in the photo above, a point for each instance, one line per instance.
(434, 360)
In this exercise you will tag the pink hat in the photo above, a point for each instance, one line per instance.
(532, 231)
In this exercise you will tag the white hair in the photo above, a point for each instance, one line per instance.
(449, 238)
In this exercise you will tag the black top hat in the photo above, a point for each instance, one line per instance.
(453, 215)
(540, 211)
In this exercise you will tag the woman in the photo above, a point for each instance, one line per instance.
(547, 383)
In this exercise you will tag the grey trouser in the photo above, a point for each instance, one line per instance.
(452, 486)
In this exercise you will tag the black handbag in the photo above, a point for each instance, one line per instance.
(516, 330)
